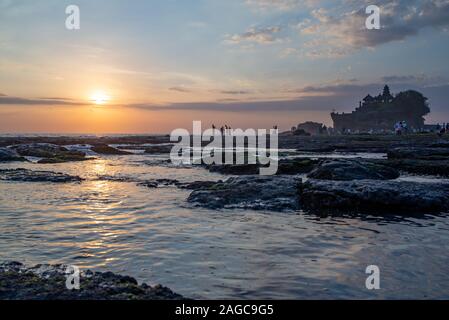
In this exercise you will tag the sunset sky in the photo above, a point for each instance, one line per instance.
(153, 66)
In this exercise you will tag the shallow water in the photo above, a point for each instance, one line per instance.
(157, 237)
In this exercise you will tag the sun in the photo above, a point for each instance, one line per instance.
(99, 97)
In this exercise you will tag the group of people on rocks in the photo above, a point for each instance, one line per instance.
(442, 129)
(225, 130)
(400, 127)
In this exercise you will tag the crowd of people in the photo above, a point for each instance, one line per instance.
(400, 127)
(442, 129)
(227, 130)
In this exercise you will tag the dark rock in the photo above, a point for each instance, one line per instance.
(8, 155)
(196, 185)
(419, 153)
(375, 196)
(48, 282)
(276, 193)
(296, 165)
(234, 169)
(26, 175)
(285, 167)
(422, 167)
(49, 152)
(159, 149)
(64, 158)
(117, 178)
(353, 169)
(108, 150)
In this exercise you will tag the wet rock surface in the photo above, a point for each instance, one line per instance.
(159, 149)
(48, 282)
(421, 167)
(285, 167)
(195, 185)
(419, 153)
(25, 175)
(394, 197)
(9, 155)
(50, 153)
(353, 169)
(276, 193)
(108, 150)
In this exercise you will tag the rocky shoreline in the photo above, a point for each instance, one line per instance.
(48, 282)
(310, 184)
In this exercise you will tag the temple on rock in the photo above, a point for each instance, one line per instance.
(380, 113)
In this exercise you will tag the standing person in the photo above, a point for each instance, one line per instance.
(222, 130)
(397, 129)
(404, 127)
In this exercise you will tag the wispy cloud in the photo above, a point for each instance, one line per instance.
(258, 35)
(235, 92)
(180, 89)
(279, 4)
(7, 100)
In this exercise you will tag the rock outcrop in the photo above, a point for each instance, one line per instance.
(419, 153)
(381, 197)
(285, 167)
(275, 193)
(159, 149)
(195, 185)
(50, 153)
(353, 169)
(108, 150)
(25, 175)
(9, 155)
(48, 282)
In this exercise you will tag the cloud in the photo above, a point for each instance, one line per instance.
(342, 95)
(180, 89)
(279, 4)
(265, 35)
(7, 100)
(235, 92)
(421, 79)
(338, 34)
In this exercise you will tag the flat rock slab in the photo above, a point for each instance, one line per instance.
(48, 282)
(353, 169)
(26, 175)
(392, 197)
(275, 193)
(419, 153)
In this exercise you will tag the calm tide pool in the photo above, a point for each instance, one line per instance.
(155, 236)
